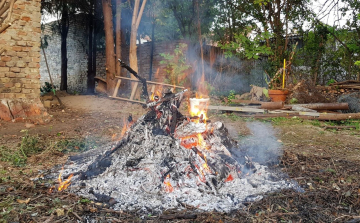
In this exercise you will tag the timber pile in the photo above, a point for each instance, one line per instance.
(347, 85)
(319, 111)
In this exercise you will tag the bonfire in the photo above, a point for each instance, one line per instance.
(168, 160)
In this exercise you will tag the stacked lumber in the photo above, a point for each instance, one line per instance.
(278, 109)
(350, 84)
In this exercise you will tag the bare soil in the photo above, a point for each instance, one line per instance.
(325, 163)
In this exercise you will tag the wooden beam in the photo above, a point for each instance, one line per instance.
(117, 88)
(126, 99)
(133, 92)
(150, 82)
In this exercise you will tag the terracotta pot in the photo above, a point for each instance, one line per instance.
(278, 95)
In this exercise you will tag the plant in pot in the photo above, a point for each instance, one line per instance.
(277, 91)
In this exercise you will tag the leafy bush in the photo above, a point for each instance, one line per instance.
(176, 65)
(47, 88)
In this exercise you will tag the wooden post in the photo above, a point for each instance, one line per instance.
(117, 87)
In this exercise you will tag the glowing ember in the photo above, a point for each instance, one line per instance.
(230, 178)
(167, 184)
(64, 184)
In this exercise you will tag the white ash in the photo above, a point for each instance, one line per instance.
(138, 170)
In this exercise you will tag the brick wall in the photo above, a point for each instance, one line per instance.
(19, 65)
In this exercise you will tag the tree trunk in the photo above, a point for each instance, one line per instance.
(201, 82)
(118, 36)
(134, 27)
(109, 50)
(91, 74)
(152, 49)
(64, 33)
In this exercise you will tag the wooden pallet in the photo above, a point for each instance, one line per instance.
(151, 84)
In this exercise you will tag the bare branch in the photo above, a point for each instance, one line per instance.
(140, 14)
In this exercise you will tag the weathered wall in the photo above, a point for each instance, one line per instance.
(19, 65)
(76, 52)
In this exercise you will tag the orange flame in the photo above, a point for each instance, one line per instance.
(116, 137)
(198, 108)
(168, 187)
(64, 184)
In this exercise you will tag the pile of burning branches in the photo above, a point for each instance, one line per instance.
(168, 160)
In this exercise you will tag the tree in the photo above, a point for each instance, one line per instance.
(268, 33)
(109, 41)
(185, 15)
(136, 18)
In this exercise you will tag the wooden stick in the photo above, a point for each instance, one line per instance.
(3, 28)
(339, 127)
(178, 216)
(10, 10)
(2, 3)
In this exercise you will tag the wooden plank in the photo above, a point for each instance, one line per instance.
(117, 87)
(150, 82)
(133, 92)
(238, 109)
(126, 99)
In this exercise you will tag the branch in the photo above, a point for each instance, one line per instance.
(3, 28)
(140, 14)
(10, 10)
(2, 3)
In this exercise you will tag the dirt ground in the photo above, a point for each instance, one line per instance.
(325, 163)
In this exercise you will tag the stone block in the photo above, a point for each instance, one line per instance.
(21, 64)
(17, 48)
(18, 85)
(15, 69)
(9, 85)
(47, 104)
(21, 43)
(6, 58)
(26, 49)
(26, 18)
(22, 33)
(11, 63)
(33, 65)
(4, 69)
(22, 54)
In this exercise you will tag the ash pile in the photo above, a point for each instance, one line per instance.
(166, 160)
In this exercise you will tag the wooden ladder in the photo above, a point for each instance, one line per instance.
(136, 85)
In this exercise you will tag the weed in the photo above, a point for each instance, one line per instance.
(84, 201)
(231, 96)
(18, 156)
(15, 157)
(330, 170)
(75, 145)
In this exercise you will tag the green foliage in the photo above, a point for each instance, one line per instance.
(29, 145)
(15, 157)
(231, 96)
(48, 88)
(331, 81)
(246, 47)
(176, 65)
(75, 145)
(293, 101)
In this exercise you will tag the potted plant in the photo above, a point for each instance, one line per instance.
(277, 91)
